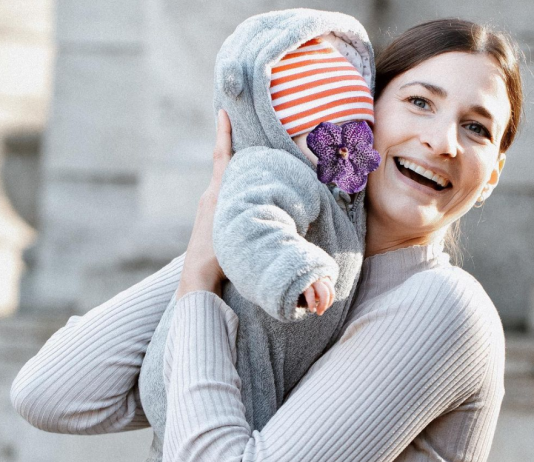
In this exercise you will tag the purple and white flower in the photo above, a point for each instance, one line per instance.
(345, 154)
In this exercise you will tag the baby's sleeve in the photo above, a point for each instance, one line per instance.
(266, 205)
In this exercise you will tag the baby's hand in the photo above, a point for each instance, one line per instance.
(320, 296)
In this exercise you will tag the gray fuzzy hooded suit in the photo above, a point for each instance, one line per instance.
(277, 228)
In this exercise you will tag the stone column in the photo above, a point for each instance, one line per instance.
(26, 54)
(95, 140)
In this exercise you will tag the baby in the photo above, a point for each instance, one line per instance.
(290, 224)
(317, 84)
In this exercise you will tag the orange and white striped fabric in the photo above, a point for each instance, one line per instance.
(315, 84)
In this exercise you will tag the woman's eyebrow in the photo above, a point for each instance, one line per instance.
(482, 111)
(430, 87)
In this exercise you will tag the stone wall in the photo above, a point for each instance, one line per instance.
(127, 150)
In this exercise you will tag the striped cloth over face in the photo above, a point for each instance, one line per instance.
(315, 84)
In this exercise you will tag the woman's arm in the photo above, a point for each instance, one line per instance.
(410, 376)
(84, 379)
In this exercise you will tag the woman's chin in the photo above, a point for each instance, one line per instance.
(408, 218)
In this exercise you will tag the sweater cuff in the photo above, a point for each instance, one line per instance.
(208, 305)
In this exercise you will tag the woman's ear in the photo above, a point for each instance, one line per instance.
(495, 176)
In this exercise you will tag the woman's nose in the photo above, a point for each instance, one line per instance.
(442, 138)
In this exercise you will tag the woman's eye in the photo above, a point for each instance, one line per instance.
(419, 102)
(478, 129)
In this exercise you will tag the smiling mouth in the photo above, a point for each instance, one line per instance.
(421, 175)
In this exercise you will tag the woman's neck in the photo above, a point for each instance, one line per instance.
(381, 237)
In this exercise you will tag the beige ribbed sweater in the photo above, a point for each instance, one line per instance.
(416, 376)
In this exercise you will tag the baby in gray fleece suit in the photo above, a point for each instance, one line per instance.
(279, 231)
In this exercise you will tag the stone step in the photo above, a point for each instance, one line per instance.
(9, 370)
(29, 328)
(519, 355)
(16, 354)
(21, 337)
(519, 373)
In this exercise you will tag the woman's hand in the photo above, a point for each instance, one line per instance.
(201, 269)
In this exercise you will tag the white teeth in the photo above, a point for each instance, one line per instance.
(443, 182)
(428, 174)
(419, 170)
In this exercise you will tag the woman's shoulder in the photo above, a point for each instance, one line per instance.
(458, 297)
(444, 311)
(439, 322)
(455, 282)
(472, 321)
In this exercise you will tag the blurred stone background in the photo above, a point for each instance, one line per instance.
(106, 133)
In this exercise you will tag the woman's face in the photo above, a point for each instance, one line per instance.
(442, 119)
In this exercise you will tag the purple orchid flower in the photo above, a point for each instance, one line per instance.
(346, 155)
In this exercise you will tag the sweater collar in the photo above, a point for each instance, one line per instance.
(385, 271)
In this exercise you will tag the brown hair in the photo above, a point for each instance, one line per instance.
(433, 38)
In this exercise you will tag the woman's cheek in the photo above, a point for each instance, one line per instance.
(375, 190)
(479, 175)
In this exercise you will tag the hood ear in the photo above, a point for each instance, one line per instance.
(231, 78)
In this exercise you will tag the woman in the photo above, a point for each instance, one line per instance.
(418, 371)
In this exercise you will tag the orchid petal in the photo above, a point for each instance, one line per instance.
(356, 132)
(324, 139)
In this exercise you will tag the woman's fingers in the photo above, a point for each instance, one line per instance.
(223, 148)
(201, 269)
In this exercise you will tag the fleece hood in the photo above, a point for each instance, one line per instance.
(243, 69)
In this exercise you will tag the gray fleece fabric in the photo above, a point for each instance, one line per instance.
(277, 228)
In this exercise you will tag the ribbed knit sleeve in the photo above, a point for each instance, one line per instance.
(84, 379)
(417, 375)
